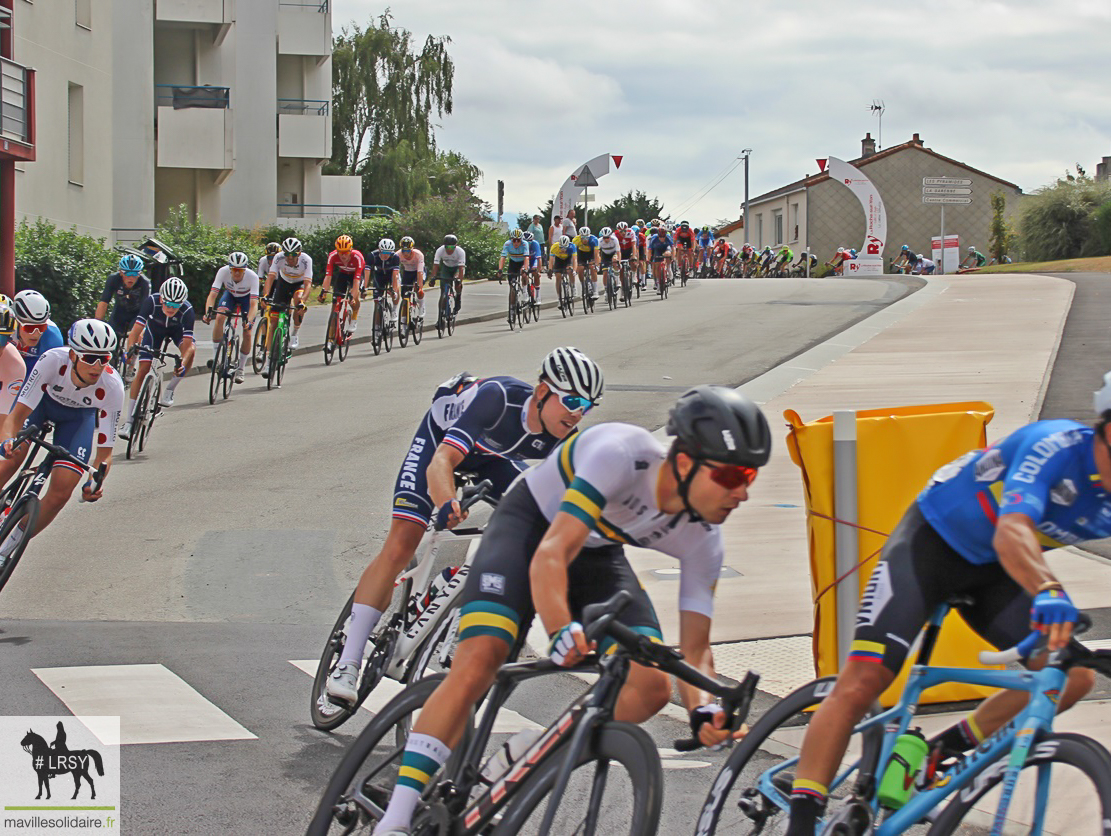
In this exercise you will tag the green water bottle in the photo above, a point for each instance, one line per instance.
(897, 785)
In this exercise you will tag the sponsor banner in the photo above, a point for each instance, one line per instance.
(875, 215)
(864, 265)
(952, 253)
(570, 192)
(59, 775)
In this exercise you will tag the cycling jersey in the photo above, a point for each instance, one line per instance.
(747, 253)
(353, 267)
(659, 245)
(247, 286)
(534, 252)
(585, 245)
(382, 271)
(1045, 470)
(83, 407)
(912, 258)
(705, 239)
(561, 252)
(608, 246)
(158, 327)
(606, 477)
(981, 259)
(786, 255)
(295, 273)
(926, 266)
(457, 258)
(721, 247)
(264, 265)
(485, 420)
(411, 262)
(13, 371)
(685, 237)
(51, 338)
(515, 250)
(627, 237)
(128, 299)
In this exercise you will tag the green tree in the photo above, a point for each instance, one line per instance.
(385, 96)
(1058, 221)
(626, 208)
(1101, 220)
(1001, 237)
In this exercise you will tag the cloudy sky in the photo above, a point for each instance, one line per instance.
(1018, 88)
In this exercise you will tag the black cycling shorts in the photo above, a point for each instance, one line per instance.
(917, 572)
(409, 278)
(283, 291)
(497, 598)
(515, 267)
(342, 284)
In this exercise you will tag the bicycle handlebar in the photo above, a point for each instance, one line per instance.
(97, 480)
(1034, 642)
(35, 435)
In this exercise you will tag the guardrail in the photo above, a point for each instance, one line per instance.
(13, 100)
(363, 210)
(303, 107)
(320, 5)
(181, 96)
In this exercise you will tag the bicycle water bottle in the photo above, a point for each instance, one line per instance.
(508, 753)
(438, 586)
(897, 785)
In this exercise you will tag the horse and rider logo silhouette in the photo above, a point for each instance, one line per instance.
(55, 759)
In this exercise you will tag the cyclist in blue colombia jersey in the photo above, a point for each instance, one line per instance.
(978, 529)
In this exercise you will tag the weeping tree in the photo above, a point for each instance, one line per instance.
(1060, 220)
(385, 98)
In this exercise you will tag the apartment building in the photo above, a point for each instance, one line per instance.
(222, 106)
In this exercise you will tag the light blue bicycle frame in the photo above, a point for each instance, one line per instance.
(1017, 736)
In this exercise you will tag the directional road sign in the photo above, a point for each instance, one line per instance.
(944, 190)
(946, 181)
(930, 198)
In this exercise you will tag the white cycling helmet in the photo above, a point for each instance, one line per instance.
(238, 259)
(584, 231)
(30, 307)
(174, 291)
(92, 336)
(565, 241)
(569, 370)
(387, 245)
(622, 225)
(530, 237)
(291, 246)
(606, 232)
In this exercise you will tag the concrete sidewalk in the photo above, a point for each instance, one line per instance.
(958, 338)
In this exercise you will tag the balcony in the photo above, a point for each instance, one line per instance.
(303, 129)
(17, 98)
(213, 12)
(304, 28)
(194, 127)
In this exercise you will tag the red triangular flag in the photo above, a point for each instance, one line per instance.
(822, 165)
(617, 160)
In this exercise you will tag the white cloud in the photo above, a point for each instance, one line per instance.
(1013, 87)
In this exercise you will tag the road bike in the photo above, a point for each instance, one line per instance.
(19, 501)
(532, 283)
(279, 351)
(627, 281)
(659, 273)
(587, 293)
(336, 338)
(566, 284)
(223, 367)
(381, 322)
(1011, 777)
(409, 320)
(260, 342)
(518, 301)
(147, 404)
(612, 770)
(684, 265)
(612, 279)
(445, 310)
(420, 635)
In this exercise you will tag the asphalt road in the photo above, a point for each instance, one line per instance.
(224, 552)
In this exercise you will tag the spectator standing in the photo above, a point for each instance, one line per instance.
(537, 230)
(569, 228)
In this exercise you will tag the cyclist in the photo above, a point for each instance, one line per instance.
(166, 315)
(608, 247)
(783, 259)
(237, 285)
(924, 266)
(627, 237)
(517, 252)
(766, 259)
(659, 251)
(411, 262)
(801, 265)
(978, 528)
(684, 240)
(267, 260)
(556, 544)
(563, 256)
(721, 253)
(485, 426)
(80, 393)
(901, 264)
(350, 269)
(36, 332)
(975, 258)
(13, 371)
(385, 271)
(705, 240)
(534, 263)
(587, 247)
(748, 259)
(453, 259)
(129, 288)
(288, 283)
(838, 262)
(642, 251)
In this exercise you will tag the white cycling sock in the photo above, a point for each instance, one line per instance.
(242, 360)
(423, 755)
(11, 542)
(296, 328)
(172, 383)
(363, 620)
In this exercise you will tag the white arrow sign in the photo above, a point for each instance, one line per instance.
(944, 190)
(942, 199)
(945, 181)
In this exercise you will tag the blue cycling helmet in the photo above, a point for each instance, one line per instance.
(131, 265)
(905, 248)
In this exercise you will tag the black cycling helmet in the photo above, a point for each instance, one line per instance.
(722, 425)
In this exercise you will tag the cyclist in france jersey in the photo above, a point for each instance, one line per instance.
(452, 259)
(288, 283)
(555, 544)
(977, 529)
(349, 267)
(237, 286)
(76, 390)
(13, 371)
(385, 273)
(36, 332)
(487, 427)
(128, 288)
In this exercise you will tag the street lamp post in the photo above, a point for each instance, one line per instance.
(744, 155)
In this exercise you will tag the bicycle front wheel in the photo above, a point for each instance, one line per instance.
(217, 370)
(331, 338)
(258, 346)
(231, 354)
(139, 422)
(24, 513)
(275, 360)
(618, 784)
(1065, 784)
(403, 323)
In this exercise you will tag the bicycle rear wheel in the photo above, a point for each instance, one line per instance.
(283, 356)
(376, 328)
(231, 353)
(343, 339)
(24, 513)
(403, 322)
(331, 338)
(275, 359)
(451, 322)
(618, 779)
(387, 333)
(259, 345)
(217, 368)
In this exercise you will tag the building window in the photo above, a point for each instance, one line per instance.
(777, 219)
(84, 13)
(795, 221)
(76, 134)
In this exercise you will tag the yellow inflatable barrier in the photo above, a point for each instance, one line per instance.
(898, 449)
